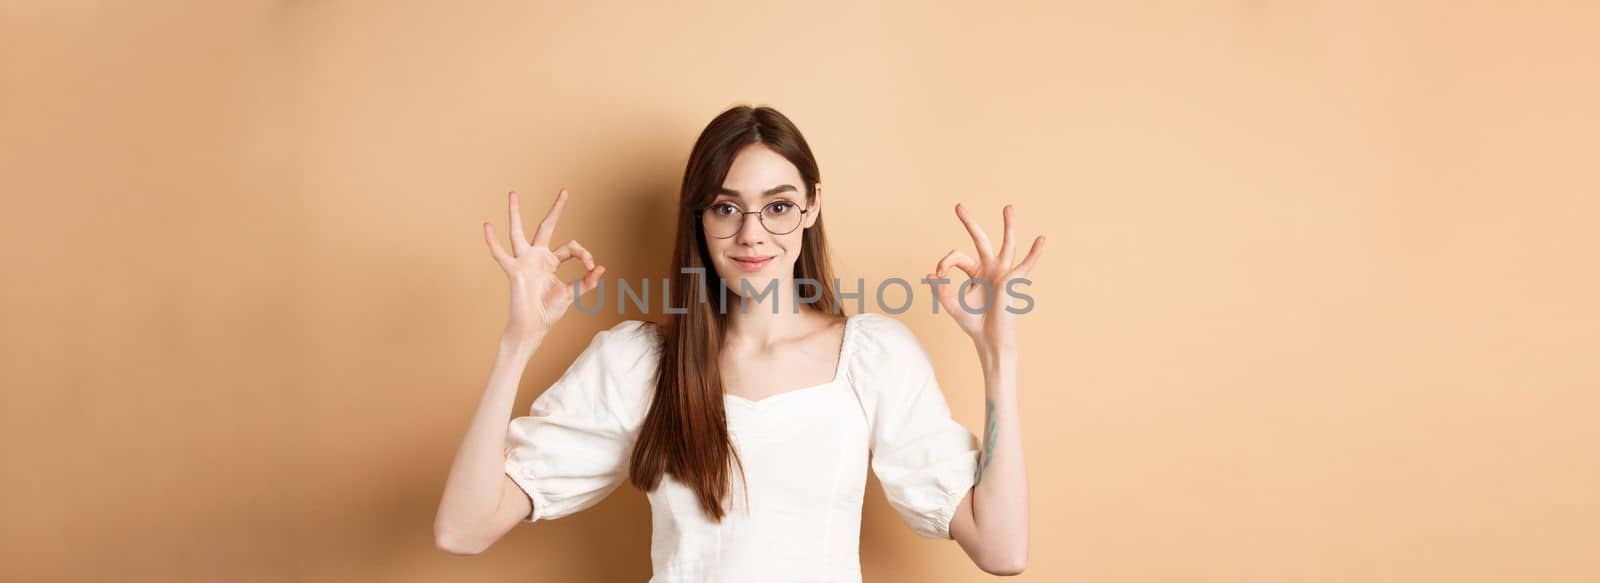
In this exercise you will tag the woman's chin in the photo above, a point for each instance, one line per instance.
(755, 285)
(758, 288)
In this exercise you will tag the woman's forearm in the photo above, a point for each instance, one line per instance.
(472, 489)
(1000, 494)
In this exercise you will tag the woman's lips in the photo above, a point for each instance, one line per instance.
(752, 265)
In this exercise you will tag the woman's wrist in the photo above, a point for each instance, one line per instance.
(520, 344)
(999, 358)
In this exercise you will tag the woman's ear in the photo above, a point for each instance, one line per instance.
(816, 207)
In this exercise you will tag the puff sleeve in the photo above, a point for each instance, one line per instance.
(574, 446)
(925, 460)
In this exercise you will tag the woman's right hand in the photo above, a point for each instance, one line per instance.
(538, 297)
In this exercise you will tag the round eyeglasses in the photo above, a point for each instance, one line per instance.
(723, 220)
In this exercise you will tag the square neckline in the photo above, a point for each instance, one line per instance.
(838, 373)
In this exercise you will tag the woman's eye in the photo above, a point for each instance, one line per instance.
(779, 208)
(723, 209)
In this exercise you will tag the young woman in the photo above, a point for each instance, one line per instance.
(749, 427)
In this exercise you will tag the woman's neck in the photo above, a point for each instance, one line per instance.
(754, 324)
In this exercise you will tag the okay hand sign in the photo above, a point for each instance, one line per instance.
(991, 327)
(538, 297)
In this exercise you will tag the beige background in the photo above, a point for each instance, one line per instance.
(1318, 305)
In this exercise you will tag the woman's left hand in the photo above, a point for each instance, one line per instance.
(990, 328)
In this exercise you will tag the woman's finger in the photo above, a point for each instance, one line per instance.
(548, 225)
(978, 237)
(1033, 255)
(573, 249)
(956, 258)
(519, 242)
(1008, 243)
(499, 253)
(945, 294)
(591, 280)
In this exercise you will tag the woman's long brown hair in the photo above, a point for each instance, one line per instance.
(685, 433)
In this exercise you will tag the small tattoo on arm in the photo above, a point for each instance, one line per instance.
(989, 435)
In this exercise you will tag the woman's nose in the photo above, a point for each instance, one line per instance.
(751, 230)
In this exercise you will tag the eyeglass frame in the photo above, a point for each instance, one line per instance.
(700, 213)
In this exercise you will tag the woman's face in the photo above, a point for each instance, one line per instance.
(758, 178)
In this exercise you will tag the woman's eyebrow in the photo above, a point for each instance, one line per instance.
(771, 191)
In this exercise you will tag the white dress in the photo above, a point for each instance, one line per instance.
(805, 455)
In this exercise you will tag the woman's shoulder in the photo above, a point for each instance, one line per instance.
(880, 332)
(637, 331)
(880, 343)
(629, 343)
(615, 373)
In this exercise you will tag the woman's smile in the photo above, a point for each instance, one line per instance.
(753, 264)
